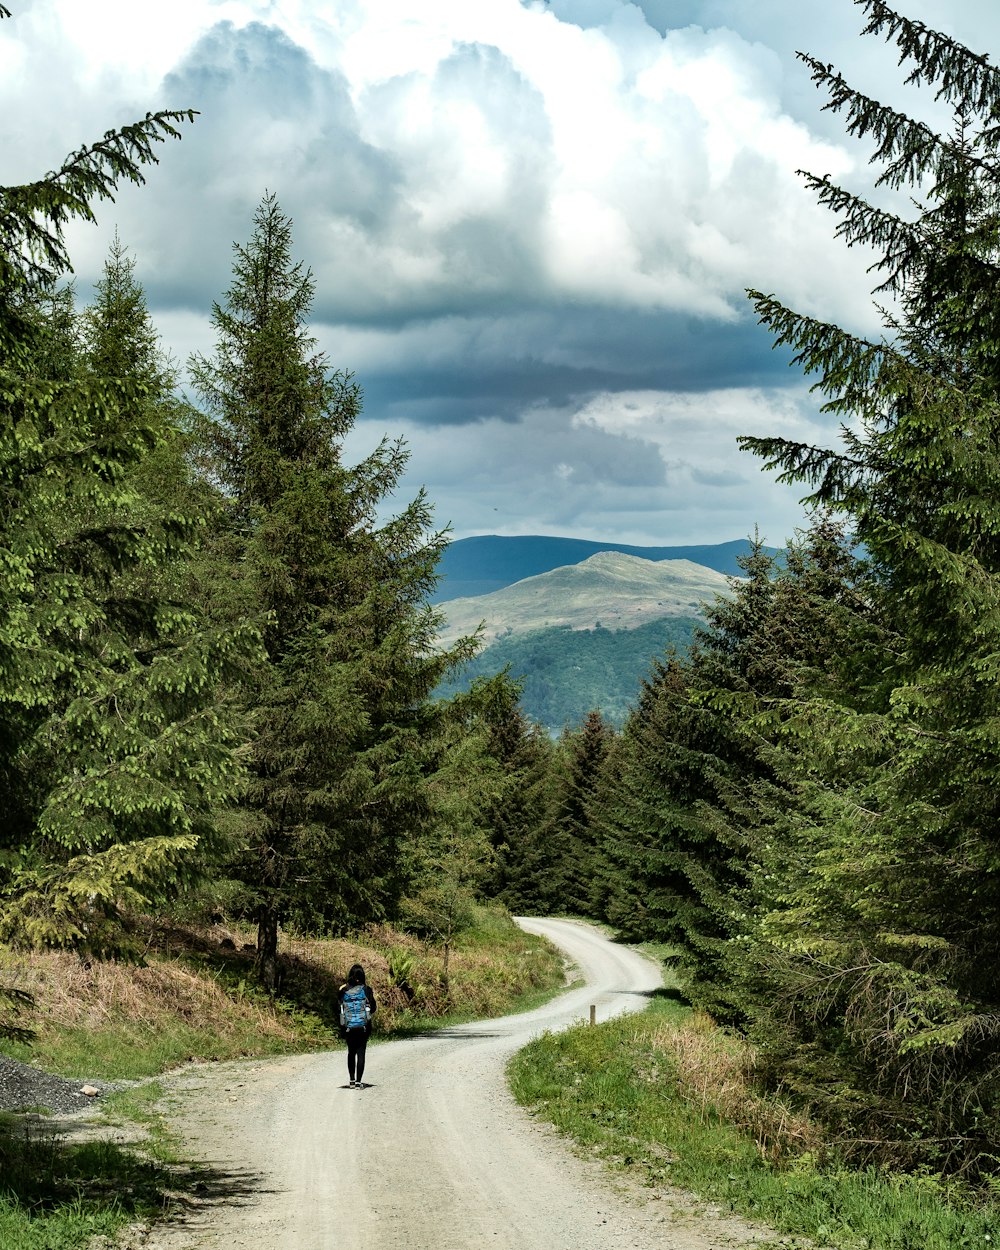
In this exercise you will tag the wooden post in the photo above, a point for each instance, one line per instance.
(593, 1013)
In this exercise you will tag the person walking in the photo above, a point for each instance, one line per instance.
(357, 1006)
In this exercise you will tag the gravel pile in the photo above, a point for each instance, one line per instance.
(22, 1086)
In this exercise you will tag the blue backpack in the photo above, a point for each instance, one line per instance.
(354, 1010)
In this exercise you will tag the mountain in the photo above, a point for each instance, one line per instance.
(582, 637)
(488, 562)
(609, 590)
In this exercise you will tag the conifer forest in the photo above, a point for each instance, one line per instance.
(218, 659)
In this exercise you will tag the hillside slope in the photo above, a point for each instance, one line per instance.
(610, 590)
(567, 673)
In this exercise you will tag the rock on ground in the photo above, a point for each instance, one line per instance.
(23, 1087)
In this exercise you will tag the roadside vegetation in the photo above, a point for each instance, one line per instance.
(56, 1196)
(669, 1097)
(194, 995)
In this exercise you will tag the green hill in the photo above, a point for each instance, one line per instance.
(582, 637)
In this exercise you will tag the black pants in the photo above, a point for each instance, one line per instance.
(357, 1040)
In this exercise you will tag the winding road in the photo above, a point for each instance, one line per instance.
(433, 1154)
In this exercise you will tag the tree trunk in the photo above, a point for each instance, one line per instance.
(267, 948)
(444, 972)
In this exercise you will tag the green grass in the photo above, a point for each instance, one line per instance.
(662, 952)
(65, 1227)
(618, 1090)
(123, 1051)
(55, 1195)
(140, 1105)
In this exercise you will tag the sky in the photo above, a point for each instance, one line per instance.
(531, 223)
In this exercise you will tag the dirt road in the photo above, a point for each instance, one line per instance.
(433, 1155)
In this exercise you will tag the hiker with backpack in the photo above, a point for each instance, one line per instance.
(357, 1006)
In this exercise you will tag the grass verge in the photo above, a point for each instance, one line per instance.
(663, 1095)
(140, 1106)
(55, 1195)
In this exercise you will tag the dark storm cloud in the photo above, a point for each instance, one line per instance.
(601, 350)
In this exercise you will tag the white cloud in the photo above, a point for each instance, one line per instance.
(633, 170)
(134, 44)
(507, 151)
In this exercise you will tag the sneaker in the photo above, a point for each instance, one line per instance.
(354, 1085)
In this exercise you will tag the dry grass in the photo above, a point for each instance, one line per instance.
(73, 994)
(485, 976)
(191, 992)
(713, 1073)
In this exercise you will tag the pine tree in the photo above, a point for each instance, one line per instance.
(886, 935)
(702, 772)
(526, 757)
(120, 340)
(338, 718)
(662, 807)
(111, 754)
(117, 339)
(469, 783)
(570, 876)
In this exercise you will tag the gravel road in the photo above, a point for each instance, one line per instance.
(433, 1154)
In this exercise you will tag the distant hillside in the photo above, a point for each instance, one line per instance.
(609, 589)
(488, 562)
(568, 673)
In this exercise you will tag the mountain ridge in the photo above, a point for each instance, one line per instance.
(483, 563)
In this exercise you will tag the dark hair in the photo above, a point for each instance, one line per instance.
(356, 976)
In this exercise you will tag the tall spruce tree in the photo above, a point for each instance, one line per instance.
(700, 773)
(470, 783)
(111, 754)
(526, 756)
(665, 808)
(117, 339)
(569, 843)
(884, 928)
(338, 719)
